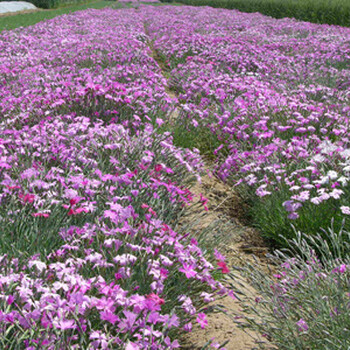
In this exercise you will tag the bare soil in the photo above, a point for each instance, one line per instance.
(238, 243)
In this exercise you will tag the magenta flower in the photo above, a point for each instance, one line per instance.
(109, 316)
(157, 300)
(64, 324)
(202, 320)
(302, 325)
(188, 270)
(128, 322)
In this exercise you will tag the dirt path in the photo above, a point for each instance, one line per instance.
(233, 240)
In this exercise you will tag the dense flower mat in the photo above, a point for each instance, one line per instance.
(90, 191)
(276, 94)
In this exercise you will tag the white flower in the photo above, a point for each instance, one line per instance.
(343, 180)
(38, 264)
(324, 180)
(332, 174)
(336, 193)
(124, 259)
(318, 158)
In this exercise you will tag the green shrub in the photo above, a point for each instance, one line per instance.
(305, 303)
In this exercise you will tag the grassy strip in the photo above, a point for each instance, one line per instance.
(317, 11)
(27, 19)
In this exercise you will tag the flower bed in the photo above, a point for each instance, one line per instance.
(275, 93)
(90, 191)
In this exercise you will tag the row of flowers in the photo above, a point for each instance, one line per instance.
(90, 191)
(275, 93)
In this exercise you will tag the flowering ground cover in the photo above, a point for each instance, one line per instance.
(93, 190)
(90, 191)
(275, 96)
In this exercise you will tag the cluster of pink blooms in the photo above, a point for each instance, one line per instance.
(138, 1)
(92, 189)
(60, 67)
(275, 92)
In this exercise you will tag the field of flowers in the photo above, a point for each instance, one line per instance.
(90, 192)
(275, 93)
(92, 251)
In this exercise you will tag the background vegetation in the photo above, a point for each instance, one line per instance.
(317, 11)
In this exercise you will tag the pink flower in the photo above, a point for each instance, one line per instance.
(156, 299)
(64, 324)
(218, 255)
(159, 121)
(81, 210)
(291, 206)
(261, 192)
(109, 316)
(74, 200)
(128, 322)
(77, 211)
(188, 327)
(341, 269)
(10, 299)
(28, 198)
(158, 168)
(132, 346)
(188, 270)
(202, 320)
(293, 216)
(44, 215)
(204, 202)
(171, 345)
(118, 276)
(222, 265)
(207, 297)
(345, 210)
(302, 325)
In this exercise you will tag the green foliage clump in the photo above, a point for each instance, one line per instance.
(305, 303)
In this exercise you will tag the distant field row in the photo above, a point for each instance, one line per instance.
(49, 4)
(318, 11)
